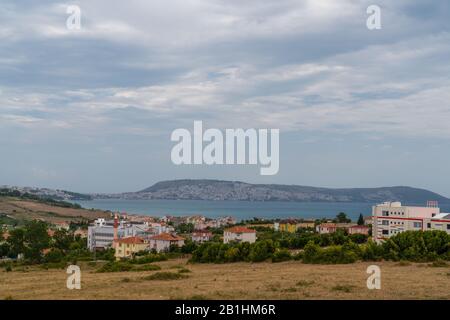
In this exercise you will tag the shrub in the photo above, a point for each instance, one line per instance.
(261, 251)
(165, 276)
(115, 266)
(146, 267)
(439, 264)
(54, 255)
(184, 270)
(281, 255)
(149, 258)
(343, 288)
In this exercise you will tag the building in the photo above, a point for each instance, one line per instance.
(201, 236)
(356, 229)
(391, 218)
(239, 234)
(326, 228)
(127, 247)
(155, 228)
(368, 220)
(62, 225)
(350, 228)
(163, 241)
(286, 226)
(102, 233)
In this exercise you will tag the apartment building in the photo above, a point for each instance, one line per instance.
(101, 234)
(391, 218)
(127, 247)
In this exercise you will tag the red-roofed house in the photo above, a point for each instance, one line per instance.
(163, 241)
(239, 234)
(126, 247)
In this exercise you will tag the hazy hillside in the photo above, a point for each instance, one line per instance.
(236, 190)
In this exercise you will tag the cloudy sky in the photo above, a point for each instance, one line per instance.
(92, 110)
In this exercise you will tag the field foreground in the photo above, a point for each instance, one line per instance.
(287, 280)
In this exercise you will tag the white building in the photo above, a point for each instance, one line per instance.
(239, 234)
(201, 236)
(391, 218)
(101, 233)
(163, 241)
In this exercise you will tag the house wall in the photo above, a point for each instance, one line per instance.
(239, 237)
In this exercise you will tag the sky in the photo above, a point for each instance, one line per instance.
(92, 110)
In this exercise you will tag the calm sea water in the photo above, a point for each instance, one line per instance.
(241, 210)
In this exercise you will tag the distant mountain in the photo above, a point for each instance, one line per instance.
(236, 190)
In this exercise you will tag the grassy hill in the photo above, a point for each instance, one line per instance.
(19, 209)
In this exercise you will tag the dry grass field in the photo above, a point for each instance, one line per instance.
(29, 210)
(287, 280)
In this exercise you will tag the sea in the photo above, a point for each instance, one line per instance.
(240, 210)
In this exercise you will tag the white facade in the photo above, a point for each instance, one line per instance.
(391, 218)
(239, 234)
(162, 242)
(101, 234)
(200, 236)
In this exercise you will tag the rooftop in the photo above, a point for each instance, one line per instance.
(240, 230)
(166, 237)
(131, 240)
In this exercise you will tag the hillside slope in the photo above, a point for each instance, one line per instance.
(236, 190)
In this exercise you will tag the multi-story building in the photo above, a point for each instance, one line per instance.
(101, 233)
(239, 234)
(391, 218)
(127, 247)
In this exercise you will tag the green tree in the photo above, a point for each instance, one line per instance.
(16, 242)
(360, 220)
(36, 239)
(341, 217)
(62, 240)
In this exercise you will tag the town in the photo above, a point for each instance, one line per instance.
(130, 234)
(201, 251)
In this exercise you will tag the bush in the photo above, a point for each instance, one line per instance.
(166, 276)
(261, 251)
(123, 266)
(115, 266)
(331, 255)
(54, 255)
(149, 258)
(281, 255)
(146, 267)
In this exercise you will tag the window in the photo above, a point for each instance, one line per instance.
(385, 213)
(385, 231)
(384, 222)
(448, 227)
(429, 225)
(417, 224)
